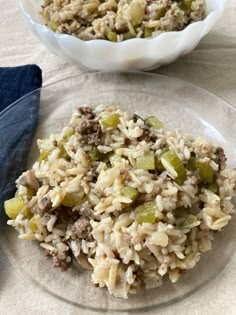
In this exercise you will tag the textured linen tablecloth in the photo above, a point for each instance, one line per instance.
(212, 65)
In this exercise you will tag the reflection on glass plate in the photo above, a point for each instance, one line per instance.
(179, 105)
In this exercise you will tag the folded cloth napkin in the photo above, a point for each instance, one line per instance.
(17, 124)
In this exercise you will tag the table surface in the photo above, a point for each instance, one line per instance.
(212, 65)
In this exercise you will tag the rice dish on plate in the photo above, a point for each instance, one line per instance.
(118, 20)
(123, 197)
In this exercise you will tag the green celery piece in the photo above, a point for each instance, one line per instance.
(112, 36)
(192, 164)
(188, 223)
(94, 154)
(146, 161)
(53, 26)
(147, 32)
(160, 13)
(213, 187)
(127, 35)
(69, 134)
(206, 172)
(110, 121)
(73, 199)
(130, 192)
(146, 213)
(43, 155)
(153, 122)
(174, 166)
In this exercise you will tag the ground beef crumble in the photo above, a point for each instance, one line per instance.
(89, 130)
(82, 229)
(220, 157)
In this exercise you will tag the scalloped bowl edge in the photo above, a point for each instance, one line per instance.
(133, 54)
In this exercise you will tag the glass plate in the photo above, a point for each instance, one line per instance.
(179, 105)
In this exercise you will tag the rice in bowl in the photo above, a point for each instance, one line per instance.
(118, 20)
(125, 198)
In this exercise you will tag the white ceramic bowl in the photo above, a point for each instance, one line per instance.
(132, 54)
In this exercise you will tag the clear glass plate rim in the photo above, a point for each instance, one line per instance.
(133, 73)
(152, 75)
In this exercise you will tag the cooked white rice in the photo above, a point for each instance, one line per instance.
(89, 198)
(118, 20)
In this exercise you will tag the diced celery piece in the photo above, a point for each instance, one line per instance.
(43, 155)
(147, 32)
(69, 134)
(130, 192)
(146, 213)
(112, 36)
(146, 161)
(158, 164)
(189, 222)
(153, 122)
(53, 26)
(33, 223)
(188, 3)
(27, 212)
(206, 172)
(13, 206)
(174, 167)
(127, 35)
(160, 13)
(30, 192)
(192, 163)
(63, 154)
(185, 5)
(110, 121)
(73, 199)
(93, 152)
(213, 187)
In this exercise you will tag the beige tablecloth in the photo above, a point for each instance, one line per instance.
(212, 65)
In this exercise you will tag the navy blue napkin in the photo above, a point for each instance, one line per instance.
(17, 124)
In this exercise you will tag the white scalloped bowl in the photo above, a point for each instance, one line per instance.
(132, 54)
